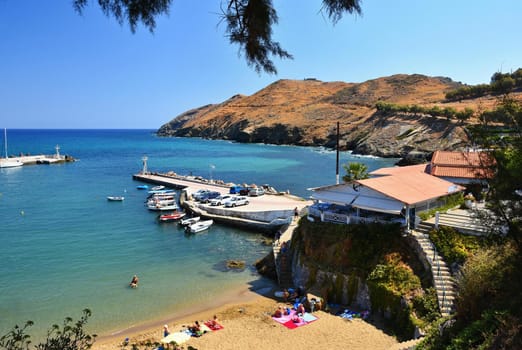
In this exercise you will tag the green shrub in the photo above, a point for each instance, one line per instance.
(453, 246)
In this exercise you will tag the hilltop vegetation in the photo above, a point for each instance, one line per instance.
(501, 83)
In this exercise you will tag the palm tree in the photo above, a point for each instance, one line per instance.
(355, 171)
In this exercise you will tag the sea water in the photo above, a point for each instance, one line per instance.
(64, 247)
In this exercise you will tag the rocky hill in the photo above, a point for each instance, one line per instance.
(305, 112)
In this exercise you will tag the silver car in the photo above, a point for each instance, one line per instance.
(235, 201)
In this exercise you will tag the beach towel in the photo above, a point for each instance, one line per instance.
(213, 326)
(178, 337)
(289, 321)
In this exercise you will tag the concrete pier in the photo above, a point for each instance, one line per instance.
(266, 213)
(43, 159)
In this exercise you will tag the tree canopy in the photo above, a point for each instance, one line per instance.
(355, 171)
(249, 23)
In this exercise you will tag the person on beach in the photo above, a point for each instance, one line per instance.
(195, 328)
(286, 295)
(278, 313)
(166, 331)
(296, 213)
(134, 282)
(213, 322)
(300, 309)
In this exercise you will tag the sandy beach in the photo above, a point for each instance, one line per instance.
(246, 318)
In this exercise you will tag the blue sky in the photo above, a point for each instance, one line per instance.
(62, 70)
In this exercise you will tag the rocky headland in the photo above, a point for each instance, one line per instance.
(306, 112)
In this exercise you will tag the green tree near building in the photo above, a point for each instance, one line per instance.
(355, 171)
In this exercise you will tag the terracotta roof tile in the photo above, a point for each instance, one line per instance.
(411, 187)
(471, 165)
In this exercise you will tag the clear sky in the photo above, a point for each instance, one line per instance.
(62, 70)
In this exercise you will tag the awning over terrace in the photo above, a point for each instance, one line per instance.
(381, 205)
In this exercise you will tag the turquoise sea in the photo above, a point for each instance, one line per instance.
(64, 247)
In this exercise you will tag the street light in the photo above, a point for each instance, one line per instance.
(212, 167)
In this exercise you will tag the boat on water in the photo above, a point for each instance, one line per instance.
(172, 216)
(189, 221)
(158, 188)
(115, 198)
(142, 187)
(6, 162)
(161, 201)
(199, 226)
(163, 207)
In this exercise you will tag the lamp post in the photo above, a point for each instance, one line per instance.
(212, 167)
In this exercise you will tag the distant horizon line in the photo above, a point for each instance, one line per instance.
(80, 128)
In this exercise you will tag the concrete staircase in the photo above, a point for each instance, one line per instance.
(442, 280)
(466, 222)
(283, 263)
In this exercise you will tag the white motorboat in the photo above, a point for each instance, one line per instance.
(161, 201)
(162, 207)
(199, 226)
(115, 198)
(6, 162)
(189, 221)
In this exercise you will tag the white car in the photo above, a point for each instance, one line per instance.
(220, 200)
(256, 191)
(235, 201)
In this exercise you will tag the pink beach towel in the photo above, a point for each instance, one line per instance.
(288, 322)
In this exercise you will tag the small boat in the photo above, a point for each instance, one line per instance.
(6, 162)
(161, 201)
(162, 207)
(158, 192)
(199, 226)
(115, 198)
(189, 221)
(172, 216)
(158, 188)
(142, 187)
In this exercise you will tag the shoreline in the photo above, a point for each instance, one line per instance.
(245, 314)
(148, 329)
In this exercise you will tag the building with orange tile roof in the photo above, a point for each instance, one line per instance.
(395, 193)
(462, 167)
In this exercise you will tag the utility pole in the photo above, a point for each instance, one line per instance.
(337, 158)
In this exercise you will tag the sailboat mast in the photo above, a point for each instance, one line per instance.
(5, 142)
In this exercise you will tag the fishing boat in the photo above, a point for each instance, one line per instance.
(171, 216)
(199, 226)
(189, 221)
(115, 198)
(6, 162)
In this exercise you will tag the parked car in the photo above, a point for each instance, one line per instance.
(220, 200)
(256, 191)
(206, 197)
(199, 193)
(235, 201)
(236, 189)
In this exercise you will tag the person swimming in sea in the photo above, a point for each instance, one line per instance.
(134, 282)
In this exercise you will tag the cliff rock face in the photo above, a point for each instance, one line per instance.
(306, 112)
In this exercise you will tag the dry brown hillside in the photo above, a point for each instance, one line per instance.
(305, 112)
